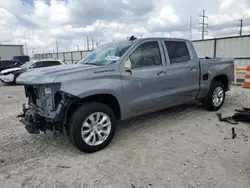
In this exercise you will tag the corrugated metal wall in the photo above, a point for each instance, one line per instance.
(8, 51)
(204, 48)
(237, 47)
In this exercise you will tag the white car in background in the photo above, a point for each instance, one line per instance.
(9, 76)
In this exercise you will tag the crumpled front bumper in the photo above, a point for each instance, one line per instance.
(34, 123)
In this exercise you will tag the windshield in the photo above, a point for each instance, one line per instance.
(26, 65)
(107, 54)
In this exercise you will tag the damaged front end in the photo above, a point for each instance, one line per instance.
(47, 107)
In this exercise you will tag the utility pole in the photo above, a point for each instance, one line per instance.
(190, 29)
(92, 43)
(88, 43)
(26, 48)
(57, 46)
(203, 24)
(241, 25)
(57, 49)
(78, 48)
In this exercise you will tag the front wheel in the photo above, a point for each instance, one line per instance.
(215, 96)
(92, 127)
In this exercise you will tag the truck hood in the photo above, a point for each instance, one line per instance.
(10, 70)
(48, 75)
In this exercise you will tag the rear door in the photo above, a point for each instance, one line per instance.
(143, 78)
(182, 71)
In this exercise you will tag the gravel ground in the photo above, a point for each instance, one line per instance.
(185, 146)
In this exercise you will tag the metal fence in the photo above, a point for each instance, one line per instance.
(67, 57)
(236, 47)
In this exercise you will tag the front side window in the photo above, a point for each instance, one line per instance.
(147, 54)
(27, 65)
(177, 51)
(18, 63)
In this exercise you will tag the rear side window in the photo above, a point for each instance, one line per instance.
(177, 51)
(38, 64)
(54, 63)
(51, 63)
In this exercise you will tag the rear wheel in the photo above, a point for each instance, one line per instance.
(92, 127)
(215, 97)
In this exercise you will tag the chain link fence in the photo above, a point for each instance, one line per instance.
(67, 57)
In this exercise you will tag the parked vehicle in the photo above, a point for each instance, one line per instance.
(120, 81)
(9, 76)
(23, 58)
(6, 64)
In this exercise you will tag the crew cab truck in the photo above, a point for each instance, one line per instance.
(118, 81)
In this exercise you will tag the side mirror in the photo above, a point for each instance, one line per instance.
(127, 64)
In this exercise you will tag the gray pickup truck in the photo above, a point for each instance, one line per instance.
(118, 81)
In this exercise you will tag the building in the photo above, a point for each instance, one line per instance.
(7, 51)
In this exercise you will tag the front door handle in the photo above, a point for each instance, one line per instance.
(161, 73)
(193, 69)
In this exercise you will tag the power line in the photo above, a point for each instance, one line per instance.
(241, 25)
(203, 24)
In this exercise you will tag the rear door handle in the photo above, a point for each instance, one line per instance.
(161, 73)
(193, 69)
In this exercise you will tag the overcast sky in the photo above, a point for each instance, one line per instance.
(40, 23)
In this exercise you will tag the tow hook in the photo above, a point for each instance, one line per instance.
(24, 111)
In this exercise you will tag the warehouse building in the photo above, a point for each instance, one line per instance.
(7, 51)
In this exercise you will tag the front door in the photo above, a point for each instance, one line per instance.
(143, 78)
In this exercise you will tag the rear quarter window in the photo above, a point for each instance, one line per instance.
(52, 63)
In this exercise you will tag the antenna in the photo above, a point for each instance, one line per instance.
(132, 38)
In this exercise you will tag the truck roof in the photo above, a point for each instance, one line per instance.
(160, 38)
(143, 39)
(36, 60)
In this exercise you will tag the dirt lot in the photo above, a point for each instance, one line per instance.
(185, 146)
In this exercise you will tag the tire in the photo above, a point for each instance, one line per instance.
(208, 102)
(83, 114)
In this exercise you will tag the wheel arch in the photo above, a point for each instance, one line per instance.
(223, 79)
(104, 98)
